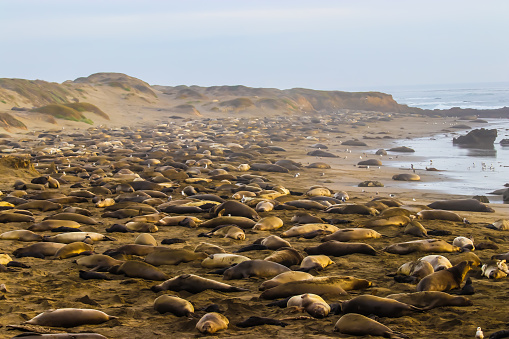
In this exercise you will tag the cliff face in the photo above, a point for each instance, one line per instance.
(25, 100)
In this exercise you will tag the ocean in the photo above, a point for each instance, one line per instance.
(464, 171)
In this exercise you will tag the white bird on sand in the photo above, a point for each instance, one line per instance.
(479, 334)
(296, 175)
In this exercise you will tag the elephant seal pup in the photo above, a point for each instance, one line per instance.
(194, 284)
(347, 234)
(315, 262)
(145, 239)
(445, 280)
(427, 245)
(131, 249)
(208, 248)
(495, 269)
(306, 204)
(464, 243)
(306, 218)
(414, 271)
(311, 303)
(98, 260)
(242, 222)
(69, 237)
(320, 286)
(173, 304)
(178, 220)
(381, 307)
(41, 205)
(264, 206)
(283, 278)
(70, 317)
(80, 218)
(273, 242)
(254, 268)
(73, 249)
(48, 225)
(415, 228)
(235, 208)
(21, 235)
(212, 322)
(357, 324)
(221, 260)
(139, 269)
(352, 209)
(395, 220)
(337, 249)
(431, 299)
(472, 205)
(285, 256)
(38, 250)
(171, 256)
(268, 224)
(297, 231)
(438, 215)
(439, 262)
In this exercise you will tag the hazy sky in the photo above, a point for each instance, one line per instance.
(341, 45)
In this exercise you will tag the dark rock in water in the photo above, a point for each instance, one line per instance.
(370, 183)
(477, 137)
(482, 198)
(381, 151)
(461, 126)
(504, 142)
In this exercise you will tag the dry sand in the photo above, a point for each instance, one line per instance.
(51, 284)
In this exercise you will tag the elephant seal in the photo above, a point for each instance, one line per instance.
(173, 304)
(283, 278)
(10, 216)
(273, 242)
(194, 284)
(268, 224)
(212, 322)
(70, 237)
(220, 260)
(414, 271)
(264, 206)
(41, 205)
(311, 303)
(315, 262)
(258, 321)
(438, 215)
(501, 256)
(415, 228)
(38, 250)
(254, 268)
(171, 256)
(337, 249)
(358, 324)
(209, 248)
(495, 269)
(34, 335)
(235, 208)
(439, 262)
(297, 231)
(445, 280)
(98, 260)
(395, 220)
(427, 245)
(305, 204)
(347, 234)
(242, 222)
(145, 239)
(464, 243)
(178, 221)
(406, 177)
(131, 249)
(431, 299)
(306, 218)
(139, 269)
(352, 209)
(320, 286)
(381, 307)
(472, 205)
(21, 235)
(70, 317)
(285, 256)
(48, 225)
(80, 218)
(73, 249)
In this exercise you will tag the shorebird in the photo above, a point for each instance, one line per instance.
(479, 334)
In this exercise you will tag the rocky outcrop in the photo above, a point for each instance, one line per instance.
(477, 137)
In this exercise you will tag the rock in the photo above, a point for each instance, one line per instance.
(381, 151)
(402, 149)
(504, 142)
(370, 183)
(477, 137)
(370, 162)
(482, 198)
(354, 143)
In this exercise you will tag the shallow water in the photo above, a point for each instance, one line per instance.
(464, 171)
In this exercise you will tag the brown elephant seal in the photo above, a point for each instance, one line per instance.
(358, 324)
(415, 228)
(11, 216)
(254, 268)
(235, 208)
(445, 280)
(39, 250)
(242, 222)
(466, 256)
(395, 220)
(395, 211)
(381, 307)
(406, 177)
(472, 205)
(320, 286)
(208, 248)
(315, 262)
(212, 322)
(194, 284)
(48, 225)
(297, 231)
(140, 226)
(416, 270)
(34, 335)
(501, 256)
(73, 249)
(70, 317)
(495, 269)
(98, 260)
(41, 205)
(139, 269)
(178, 221)
(427, 245)
(305, 204)
(131, 249)
(347, 234)
(268, 224)
(21, 235)
(220, 260)
(311, 303)
(352, 209)
(173, 304)
(285, 256)
(273, 242)
(439, 215)
(431, 299)
(283, 278)
(69, 237)
(306, 218)
(171, 256)
(337, 249)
